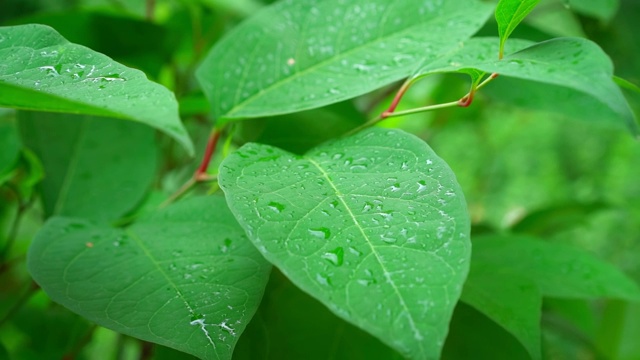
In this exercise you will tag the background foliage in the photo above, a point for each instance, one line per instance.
(552, 168)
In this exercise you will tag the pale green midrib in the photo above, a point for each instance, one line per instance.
(73, 164)
(373, 251)
(326, 62)
(156, 263)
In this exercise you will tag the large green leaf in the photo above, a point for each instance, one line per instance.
(509, 13)
(87, 176)
(510, 300)
(582, 71)
(559, 270)
(40, 70)
(186, 277)
(374, 226)
(301, 54)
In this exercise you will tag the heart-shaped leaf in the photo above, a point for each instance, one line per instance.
(186, 277)
(302, 54)
(509, 13)
(578, 67)
(85, 177)
(375, 226)
(42, 71)
(559, 270)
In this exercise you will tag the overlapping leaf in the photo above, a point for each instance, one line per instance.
(558, 270)
(576, 69)
(42, 71)
(85, 176)
(185, 277)
(374, 226)
(509, 13)
(301, 54)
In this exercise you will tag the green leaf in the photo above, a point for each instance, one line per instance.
(374, 226)
(510, 300)
(186, 277)
(85, 176)
(509, 13)
(602, 9)
(42, 71)
(9, 147)
(573, 64)
(302, 54)
(559, 270)
(290, 324)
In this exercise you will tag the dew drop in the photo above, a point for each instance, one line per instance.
(321, 232)
(276, 207)
(335, 256)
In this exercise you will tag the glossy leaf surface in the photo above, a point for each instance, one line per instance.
(186, 277)
(302, 54)
(43, 71)
(509, 13)
(84, 176)
(559, 270)
(374, 226)
(577, 66)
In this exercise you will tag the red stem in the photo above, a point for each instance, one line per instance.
(396, 99)
(208, 153)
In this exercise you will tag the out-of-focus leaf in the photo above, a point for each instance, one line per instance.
(87, 176)
(601, 9)
(9, 147)
(559, 270)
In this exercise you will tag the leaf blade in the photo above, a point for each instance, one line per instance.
(353, 239)
(296, 43)
(42, 71)
(187, 277)
(509, 13)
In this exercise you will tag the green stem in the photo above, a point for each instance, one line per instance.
(424, 108)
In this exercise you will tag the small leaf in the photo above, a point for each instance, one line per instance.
(42, 71)
(374, 226)
(572, 64)
(510, 300)
(85, 176)
(509, 13)
(559, 270)
(186, 277)
(301, 54)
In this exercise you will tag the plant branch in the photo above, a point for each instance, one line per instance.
(201, 173)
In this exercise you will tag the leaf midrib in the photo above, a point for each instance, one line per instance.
(276, 85)
(396, 290)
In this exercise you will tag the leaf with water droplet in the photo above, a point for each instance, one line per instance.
(287, 58)
(198, 302)
(575, 70)
(346, 259)
(42, 71)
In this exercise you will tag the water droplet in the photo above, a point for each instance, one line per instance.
(355, 251)
(322, 232)
(276, 207)
(226, 246)
(335, 256)
(323, 280)
(395, 187)
(422, 186)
